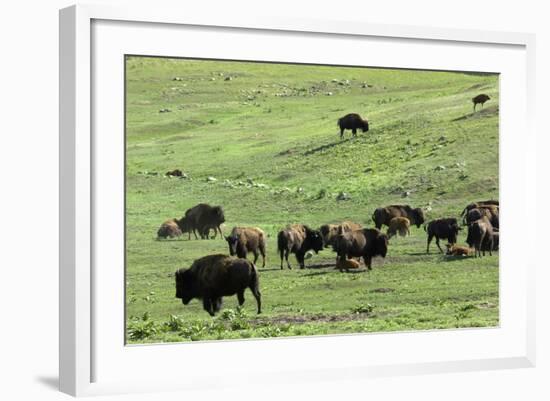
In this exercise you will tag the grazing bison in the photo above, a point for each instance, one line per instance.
(346, 264)
(204, 217)
(366, 243)
(174, 173)
(399, 225)
(329, 232)
(481, 236)
(353, 122)
(214, 276)
(480, 99)
(457, 250)
(298, 239)
(243, 240)
(446, 228)
(383, 215)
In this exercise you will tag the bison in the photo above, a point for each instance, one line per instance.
(457, 250)
(353, 122)
(243, 240)
(480, 99)
(366, 243)
(214, 276)
(481, 236)
(346, 264)
(329, 232)
(446, 228)
(298, 239)
(172, 228)
(204, 217)
(475, 205)
(399, 225)
(489, 211)
(383, 215)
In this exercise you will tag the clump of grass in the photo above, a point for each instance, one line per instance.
(363, 308)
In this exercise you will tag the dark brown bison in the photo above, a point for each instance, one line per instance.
(446, 228)
(204, 217)
(243, 240)
(353, 122)
(366, 243)
(298, 239)
(481, 236)
(383, 215)
(329, 232)
(214, 276)
(480, 99)
(174, 173)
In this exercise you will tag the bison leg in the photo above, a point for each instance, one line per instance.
(286, 258)
(437, 243)
(430, 237)
(368, 262)
(262, 251)
(354, 131)
(300, 258)
(240, 297)
(281, 252)
(217, 304)
(258, 296)
(341, 133)
(256, 255)
(207, 305)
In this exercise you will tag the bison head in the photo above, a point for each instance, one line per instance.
(232, 241)
(183, 224)
(218, 212)
(314, 240)
(185, 285)
(419, 218)
(365, 126)
(381, 245)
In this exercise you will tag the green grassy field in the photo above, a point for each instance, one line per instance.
(262, 141)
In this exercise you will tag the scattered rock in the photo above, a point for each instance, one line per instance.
(211, 179)
(406, 194)
(308, 255)
(175, 173)
(368, 170)
(228, 78)
(177, 79)
(165, 111)
(440, 168)
(329, 93)
(442, 138)
(299, 190)
(343, 196)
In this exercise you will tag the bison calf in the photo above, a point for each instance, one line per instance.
(383, 215)
(456, 250)
(243, 240)
(399, 225)
(214, 276)
(346, 264)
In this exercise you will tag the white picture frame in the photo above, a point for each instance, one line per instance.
(93, 360)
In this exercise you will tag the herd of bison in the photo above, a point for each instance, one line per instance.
(214, 276)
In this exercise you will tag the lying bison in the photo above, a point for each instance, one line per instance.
(204, 217)
(481, 236)
(480, 99)
(214, 276)
(446, 228)
(329, 232)
(366, 243)
(298, 239)
(353, 122)
(383, 215)
(243, 240)
(173, 228)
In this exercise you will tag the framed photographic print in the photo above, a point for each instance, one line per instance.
(322, 198)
